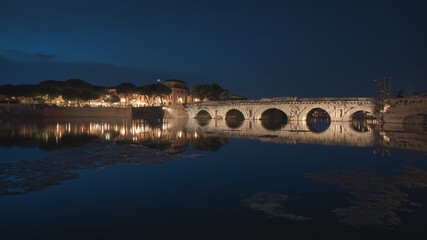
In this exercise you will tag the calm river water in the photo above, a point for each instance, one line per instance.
(211, 179)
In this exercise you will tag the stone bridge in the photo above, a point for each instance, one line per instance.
(293, 108)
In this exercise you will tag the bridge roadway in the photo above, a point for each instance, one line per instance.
(296, 109)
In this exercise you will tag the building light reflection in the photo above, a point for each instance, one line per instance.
(123, 131)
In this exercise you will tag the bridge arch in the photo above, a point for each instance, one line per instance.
(234, 118)
(273, 119)
(361, 112)
(307, 111)
(318, 120)
(203, 114)
(235, 114)
(362, 121)
(318, 112)
(273, 113)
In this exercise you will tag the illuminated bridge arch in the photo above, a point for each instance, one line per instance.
(318, 120)
(358, 112)
(274, 114)
(273, 119)
(203, 114)
(234, 114)
(318, 112)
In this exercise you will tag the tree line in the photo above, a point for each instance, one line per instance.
(46, 91)
(212, 91)
(77, 90)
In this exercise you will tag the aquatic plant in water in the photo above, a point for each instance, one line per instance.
(272, 204)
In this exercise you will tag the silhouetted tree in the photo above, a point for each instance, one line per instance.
(112, 99)
(7, 90)
(210, 91)
(26, 90)
(147, 91)
(78, 85)
(58, 85)
(86, 95)
(70, 94)
(48, 92)
(161, 90)
(126, 89)
(152, 91)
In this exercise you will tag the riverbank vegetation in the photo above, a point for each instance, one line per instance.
(74, 92)
(77, 92)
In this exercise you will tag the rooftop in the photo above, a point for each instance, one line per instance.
(175, 80)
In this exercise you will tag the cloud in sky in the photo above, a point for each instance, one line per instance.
(44, 56)
(23, 67)
(16, 54)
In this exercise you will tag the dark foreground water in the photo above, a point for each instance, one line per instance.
(182, 179)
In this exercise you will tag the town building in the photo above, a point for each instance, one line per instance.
(179, 92)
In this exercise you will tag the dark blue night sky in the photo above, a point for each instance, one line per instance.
(252, 48)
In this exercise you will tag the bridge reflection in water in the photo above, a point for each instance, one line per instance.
(174, 135)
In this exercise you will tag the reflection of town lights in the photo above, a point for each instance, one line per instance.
(386, 107)
(107, 136)
(159, 133)
(135, 139)
(123, 131)
(386, 139)
(180, 134)
(195, 135)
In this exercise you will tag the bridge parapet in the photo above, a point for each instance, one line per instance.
(283, 100)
